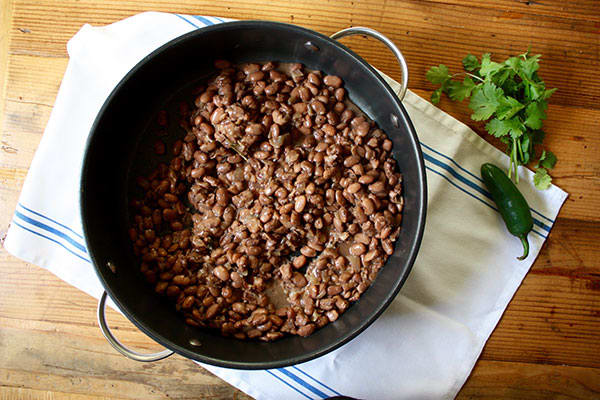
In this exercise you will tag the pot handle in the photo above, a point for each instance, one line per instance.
(134, 355)
(361, 30)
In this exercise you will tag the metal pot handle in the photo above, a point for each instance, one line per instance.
(134, 355)
(361, 30)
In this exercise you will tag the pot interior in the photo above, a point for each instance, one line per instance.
(119, 148)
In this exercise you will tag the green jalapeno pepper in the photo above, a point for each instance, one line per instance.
(511, 204)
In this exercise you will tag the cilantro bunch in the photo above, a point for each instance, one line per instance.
(511, 97)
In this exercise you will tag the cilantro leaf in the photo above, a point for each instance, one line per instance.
(513, 63)
(501, 77)
(499, 128)
(542, 157)
(547, 160)
(458, 91)
(536, 112)
(508, 107)
(489, 67)
(550, 161)
(438, 75)
(485, 101)
(547, 93)
(536, 91)
(541, 179)
(529, 65)
(471, 63)
(436, 96)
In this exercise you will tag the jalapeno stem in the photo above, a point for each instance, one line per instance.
(525, 247)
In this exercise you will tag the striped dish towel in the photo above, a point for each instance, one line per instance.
(426, 343)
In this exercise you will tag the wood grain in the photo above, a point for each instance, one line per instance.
(6, 7)
(54, 315)
(459, 29)
(553, 318)
(547, 344)
(588, 10)
(530, 381)
(90, 365)
(14, 393)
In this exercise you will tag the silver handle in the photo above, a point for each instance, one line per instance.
(361, 30)
(134, 355)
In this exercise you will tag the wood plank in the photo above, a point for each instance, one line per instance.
(554, 318)
(74, 359)
(428, 33)
(110, 373)
(490, 380)
(33, 79)
(22, 131)
(551, 319)
(13, 393)
(540, 314)
(571, 250)
(6, 9)
(87, 364)
(588, 10)
(10, 186)
(499, 380)
(570, 131)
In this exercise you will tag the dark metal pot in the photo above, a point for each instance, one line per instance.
(115, 147)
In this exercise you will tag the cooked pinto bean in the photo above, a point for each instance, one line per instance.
(276, 209)
(333, 81)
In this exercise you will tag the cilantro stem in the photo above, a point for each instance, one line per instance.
(510, 165)
(520, 155)
(520, 150)
(515, 160)
(469, 74)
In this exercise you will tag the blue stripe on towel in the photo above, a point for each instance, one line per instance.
(204, 20)
(185, 19)
(302, 382)
(302, 393)
(316, 380)
(51, 230)
(473, 185)
(50, 239)
(452, 161)
(51, 220)
(470, 194)
(474, 176)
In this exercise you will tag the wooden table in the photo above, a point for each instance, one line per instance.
(547, 345)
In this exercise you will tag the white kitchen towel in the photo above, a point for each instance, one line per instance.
(425, 344)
